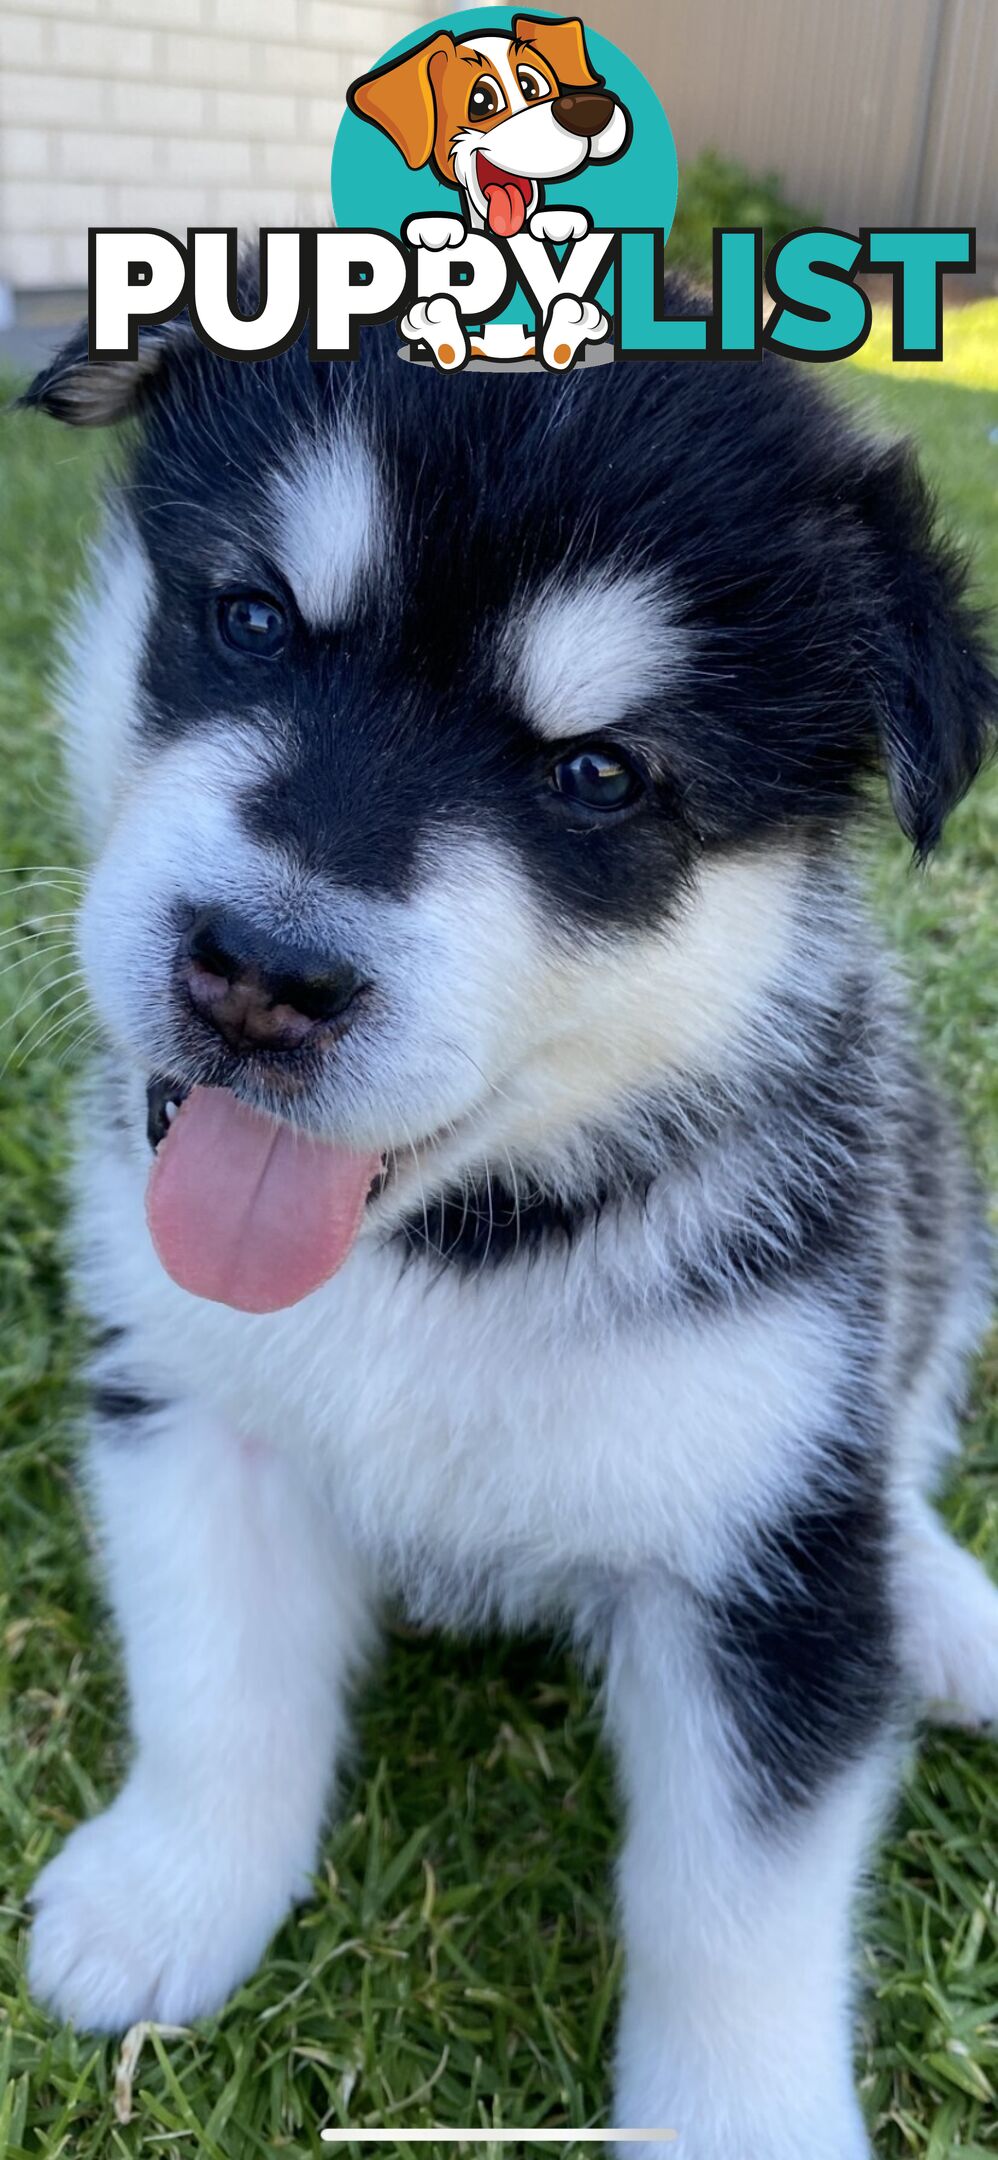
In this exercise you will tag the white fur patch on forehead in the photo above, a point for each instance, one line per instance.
(330, 526)
(584, 655)
(495, 52)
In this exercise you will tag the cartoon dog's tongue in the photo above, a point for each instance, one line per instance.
(507, 196)
(247, 1211)
(507, 209)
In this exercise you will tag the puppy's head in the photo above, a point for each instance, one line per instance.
(496, 115)
(453, 748)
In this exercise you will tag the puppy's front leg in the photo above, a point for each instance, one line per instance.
(241, 1616)
(736, 2028)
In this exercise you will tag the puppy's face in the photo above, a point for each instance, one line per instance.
(496, 115)
(455, 745)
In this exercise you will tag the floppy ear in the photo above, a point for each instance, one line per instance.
(400, 99)
(95, 394)
(562, 45)
(935, 682)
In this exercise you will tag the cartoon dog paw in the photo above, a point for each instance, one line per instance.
(438, 323)
(571, 323)
(560, 225)
(433, 232)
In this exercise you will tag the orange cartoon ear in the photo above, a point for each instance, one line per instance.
(399, 99)
(562, 45)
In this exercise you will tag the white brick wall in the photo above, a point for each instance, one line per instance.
(169, 113)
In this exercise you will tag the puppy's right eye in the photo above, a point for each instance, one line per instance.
(253, 623)
(486, 99)
(598, 778)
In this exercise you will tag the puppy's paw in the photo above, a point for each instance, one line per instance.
(948, 1626)
(958, 1667)
(141, 1917)
(437, 322)
(571, 323)
(560, 225)
(433, 232)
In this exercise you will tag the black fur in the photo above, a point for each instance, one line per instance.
(825, 618)
(801, 1645)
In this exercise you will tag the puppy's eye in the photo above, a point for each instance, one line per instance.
(531, 85)
(253, 623)
(598, 778)
(486, 99)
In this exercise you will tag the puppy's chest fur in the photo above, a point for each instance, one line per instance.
(490, 1438)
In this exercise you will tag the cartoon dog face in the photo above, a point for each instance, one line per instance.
(496, 115)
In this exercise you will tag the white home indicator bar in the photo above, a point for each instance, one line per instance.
(497, 2137)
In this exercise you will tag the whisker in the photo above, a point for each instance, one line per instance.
(465, 1204)
(57, 1028)
(72, 975)
(10, 1019)
(38, 926)
(28, 1040)
(40, 918)
(56, 949)
(494, 1087)
(516, 1199)
(38, 869)
(87, 1039)
(30, 886)
(422, 1189)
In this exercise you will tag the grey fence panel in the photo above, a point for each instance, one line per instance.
(958, 180)
(872, 111)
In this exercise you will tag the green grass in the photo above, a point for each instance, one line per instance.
(458, 1963)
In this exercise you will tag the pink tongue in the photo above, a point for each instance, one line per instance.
(507, 209)
(247, 1211)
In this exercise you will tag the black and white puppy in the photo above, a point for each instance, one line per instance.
(511, 1182)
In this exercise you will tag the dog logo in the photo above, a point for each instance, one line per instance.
(496, 117)
(505, 194)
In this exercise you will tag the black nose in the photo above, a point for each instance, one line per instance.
(583, 112)
(261, 991)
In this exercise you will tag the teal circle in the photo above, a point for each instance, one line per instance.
(373, 188)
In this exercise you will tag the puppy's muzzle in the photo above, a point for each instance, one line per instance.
(583, 112)
(260, 992)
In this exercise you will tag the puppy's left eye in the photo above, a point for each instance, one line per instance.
(486, 99)
(253, 623)
(532, 86)
(598, 778)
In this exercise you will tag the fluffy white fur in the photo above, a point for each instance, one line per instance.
(243, 1616)
(327, 527)
(585, 654)
(734, 2027)
(484, 1448)
(97, 676)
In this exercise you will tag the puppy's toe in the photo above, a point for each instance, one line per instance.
(140, 1918)
(948, 1626)
(434, 232)
(571, 324)
(95, 1956)
(437, 323)
(559, 225)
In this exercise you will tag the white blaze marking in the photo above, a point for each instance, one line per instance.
(585, 655)
(329, 530)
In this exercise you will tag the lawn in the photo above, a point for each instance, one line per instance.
(458, 1963)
